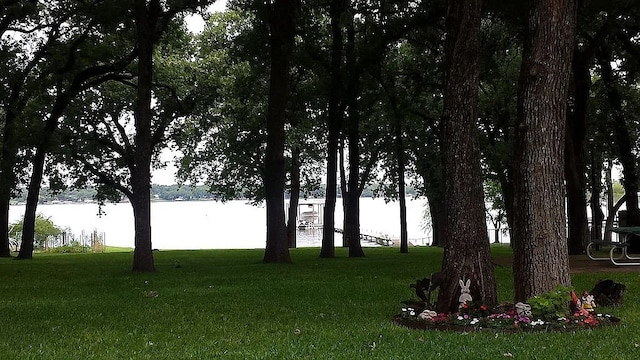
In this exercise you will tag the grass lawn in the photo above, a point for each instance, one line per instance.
(228, 304)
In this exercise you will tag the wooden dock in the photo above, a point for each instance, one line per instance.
(382, 241)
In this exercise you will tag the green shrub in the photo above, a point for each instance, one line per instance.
(75, 247)
(552, 304)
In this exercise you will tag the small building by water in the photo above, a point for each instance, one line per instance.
(310, 213)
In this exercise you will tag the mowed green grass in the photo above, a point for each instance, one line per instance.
(227, 304)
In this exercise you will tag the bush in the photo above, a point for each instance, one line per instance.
(75, 247)
(552, 304)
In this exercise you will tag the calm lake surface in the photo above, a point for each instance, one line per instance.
(215, 225)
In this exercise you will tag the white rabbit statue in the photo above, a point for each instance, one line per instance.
(465, 295)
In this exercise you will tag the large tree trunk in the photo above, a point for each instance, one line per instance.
(146, 20)
(575, 168)
(467, 255)
(141, 203)
(540, 245)
(334, 123)
(281, 23)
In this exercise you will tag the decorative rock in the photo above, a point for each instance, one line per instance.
(428, 315)
(523, 309)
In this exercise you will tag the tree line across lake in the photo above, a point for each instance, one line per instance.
(167, 193)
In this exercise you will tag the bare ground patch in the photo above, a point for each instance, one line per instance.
(578, 264)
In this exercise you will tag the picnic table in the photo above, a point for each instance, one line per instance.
(618, 255)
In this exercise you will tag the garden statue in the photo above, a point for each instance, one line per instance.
(576, 305)
(465, 296)
(588, 302)
(523, 309)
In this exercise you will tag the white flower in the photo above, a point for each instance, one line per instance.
(412, 313)
(474, 321)
(460, 317)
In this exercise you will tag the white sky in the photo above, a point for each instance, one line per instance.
(195, 23)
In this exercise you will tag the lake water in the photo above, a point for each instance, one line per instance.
(215, 225)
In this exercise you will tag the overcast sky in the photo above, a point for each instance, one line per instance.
(195, 23)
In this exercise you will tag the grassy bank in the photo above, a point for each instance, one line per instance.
(228, 304)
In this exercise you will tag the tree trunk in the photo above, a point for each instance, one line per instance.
(334, 123)
(612, 215)
(33, 193)
(540, 245)
(434, 189)
(5, 251)
(467, 255)
(438, 230)
(352, 203)
(146, 20)
(507, 191)
(575, 168)
(281, 23)
(597, 216)
(622, 135)
(397, 127)
(352, 196)
(611, 209)
(294, 198)
(5, 197)
(344, 190)
(28, 229)
(404, 237)
(7, 176)
(141, 203)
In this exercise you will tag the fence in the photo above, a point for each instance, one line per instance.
(93, 241)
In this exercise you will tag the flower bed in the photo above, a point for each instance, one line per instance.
(503, 318)
(556, 310)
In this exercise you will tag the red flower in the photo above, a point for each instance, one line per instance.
(591, 321)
